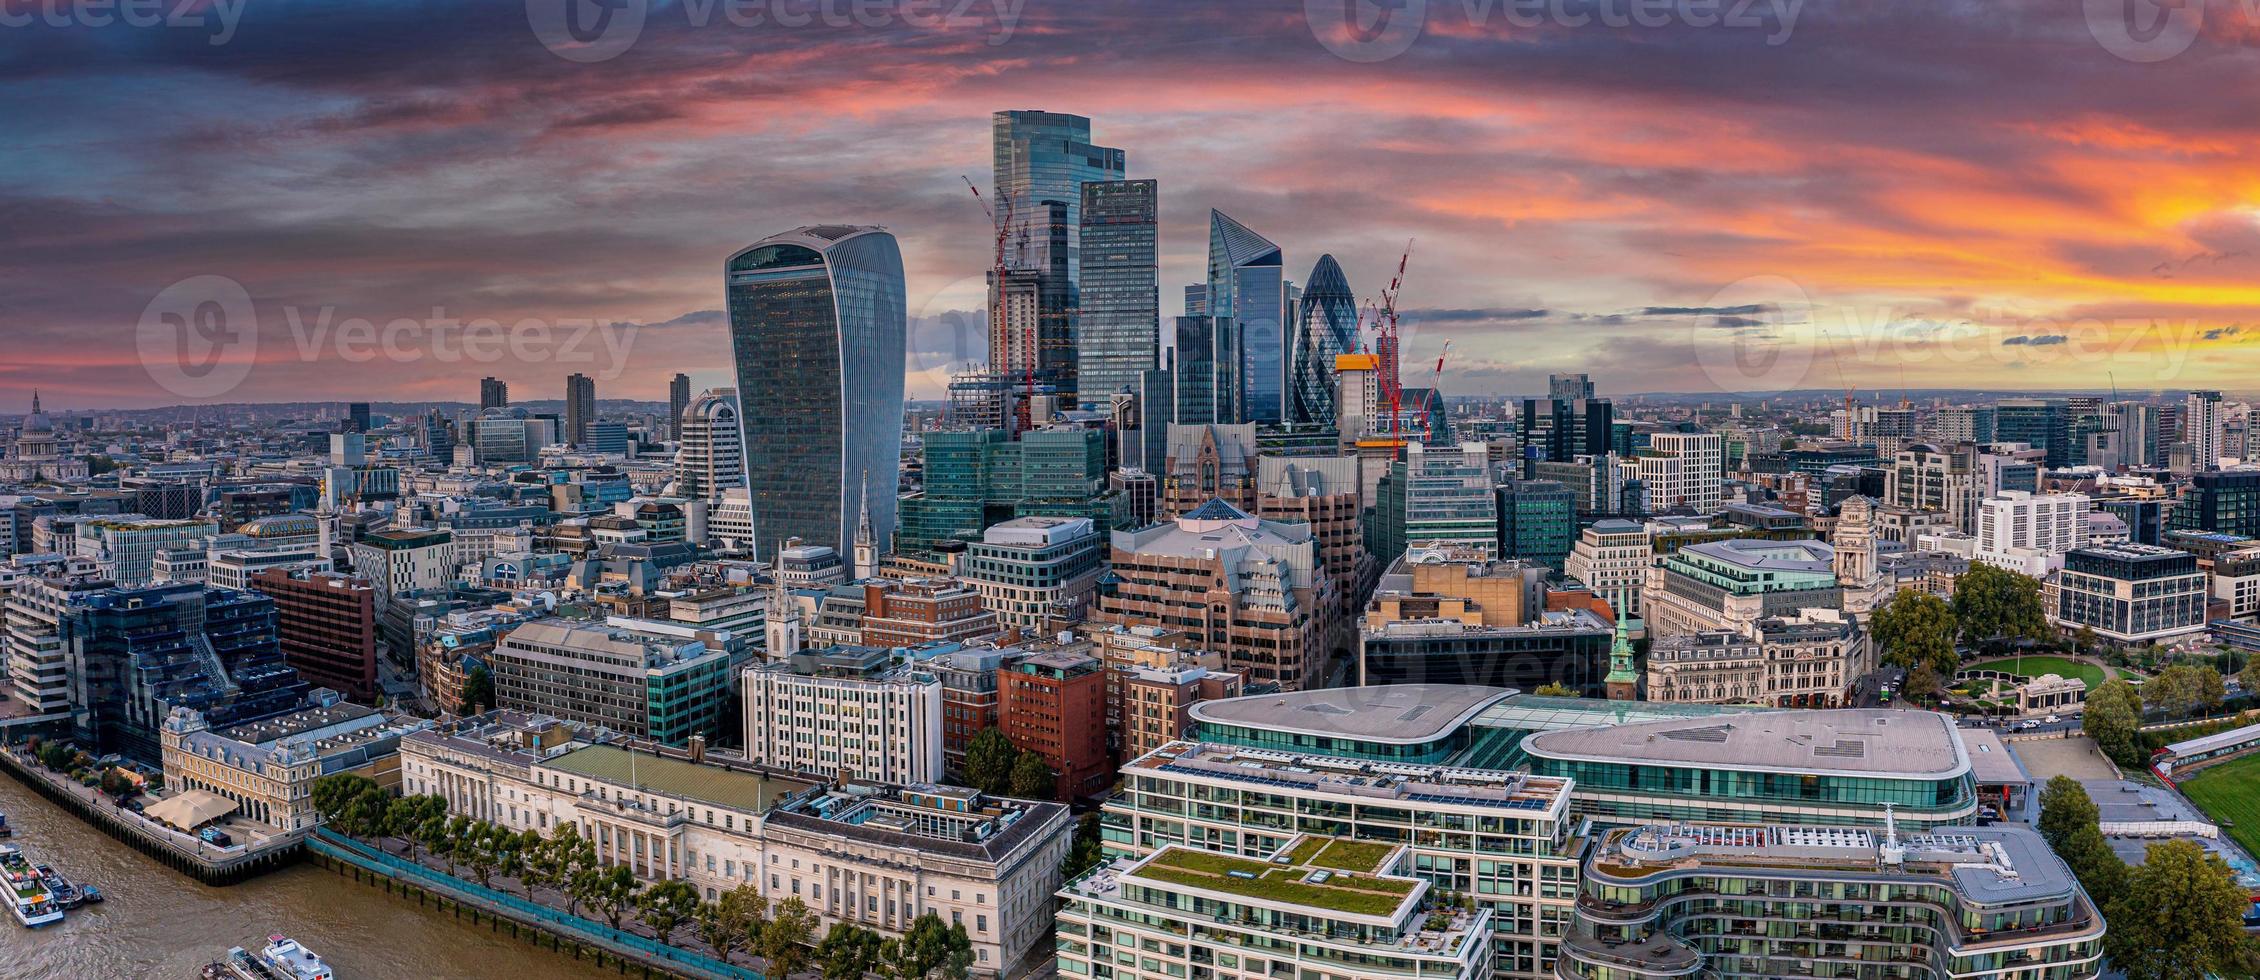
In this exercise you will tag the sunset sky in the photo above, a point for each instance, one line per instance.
(1883, 194)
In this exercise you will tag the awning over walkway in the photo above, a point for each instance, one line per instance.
(190, 809)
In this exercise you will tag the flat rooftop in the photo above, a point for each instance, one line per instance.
(1392, 713)
(718, 785)
(1290, 883)
(1844, 741)
(1991, 865)
(1380, 782)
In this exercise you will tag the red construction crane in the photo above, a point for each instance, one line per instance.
(1001, 216)
(1385, 345)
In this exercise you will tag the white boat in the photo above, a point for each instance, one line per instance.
(292, 961)
(28, 898)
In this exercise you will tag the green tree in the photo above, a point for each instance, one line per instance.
(365, 814)
(2184, 688)
(1555, 689)
(2064, 807)
(481, 850)
(1031, 779)
(553, 862)
(847, 952)
(929, 945)
(2249, 677)
(331, 793)
(1084, 852)
(785, 937)
(988, 761)
(2092, 861)
(516, 856)
(2084, 640)
(2179, 916)
(666, 906)
(730, 922)
(609, 891)
(1916, 629)
(478, 691)
(2112, 717)
(1993, 606)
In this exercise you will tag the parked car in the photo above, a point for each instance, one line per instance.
(2052, 719)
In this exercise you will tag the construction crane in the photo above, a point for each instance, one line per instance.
(1385, 345)
(1001, 217)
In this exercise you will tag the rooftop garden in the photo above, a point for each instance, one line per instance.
(1341, 892)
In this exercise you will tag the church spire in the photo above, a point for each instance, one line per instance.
(35, 401)
(1623, 682)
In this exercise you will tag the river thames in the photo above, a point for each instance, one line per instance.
(158, 923)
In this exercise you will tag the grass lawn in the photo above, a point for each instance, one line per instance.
(1343, 893)
(1351, 855)
(2036, 666)
(2229, 792)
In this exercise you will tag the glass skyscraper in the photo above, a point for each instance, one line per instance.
(1046, 156)
(1207, 372)
(1118, 336)
(817, 335)
(1326, 325)
(1247, 285)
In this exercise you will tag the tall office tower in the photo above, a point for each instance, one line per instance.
(710, 454)
(2204, 427)
(678, 398)
(1118, 318)
(439, 440)
(580, 408)
(2041, 424)
(1553, 430)
(1208, 363)
(1047, 156)
(1196, 299)
(817, 332)
(493, 393)
(1326, 327)
(2137, 426)
(1698, 480)
(1571, 387)
(357, 416)
(1247, 285)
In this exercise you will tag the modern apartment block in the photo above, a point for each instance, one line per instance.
(1680, 900)
(1507, 841)
(2030, 533)
(847, 713)
(648, 679)
(1320, 907)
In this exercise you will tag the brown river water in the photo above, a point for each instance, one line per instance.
(160, 925)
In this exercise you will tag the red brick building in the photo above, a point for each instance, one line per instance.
(328, 625)
(908, 613)
(1054, 704)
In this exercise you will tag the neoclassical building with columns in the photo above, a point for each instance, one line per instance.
(870, 855)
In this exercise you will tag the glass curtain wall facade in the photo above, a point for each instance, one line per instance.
(1118, 333)
(1046, 156)
(817, 338)
(1207, 371)
(1326, 325)
(1247, 285)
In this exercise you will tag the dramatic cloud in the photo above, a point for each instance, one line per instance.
(1620, 201)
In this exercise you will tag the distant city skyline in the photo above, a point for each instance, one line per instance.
(1570, 212)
